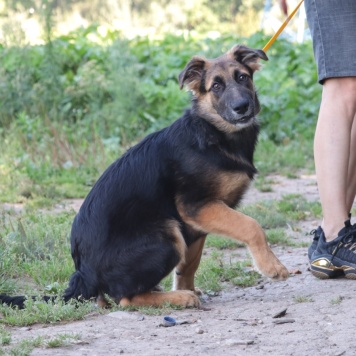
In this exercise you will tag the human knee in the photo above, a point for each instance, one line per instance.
(343, 89)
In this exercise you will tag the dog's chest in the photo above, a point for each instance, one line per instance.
(230, 186)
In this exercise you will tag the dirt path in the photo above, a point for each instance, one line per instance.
(240, 321)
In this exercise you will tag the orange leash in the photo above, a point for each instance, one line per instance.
(285, 23)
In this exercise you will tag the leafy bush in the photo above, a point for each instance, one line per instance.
(289, 92)
(69, 107)
(129, 88)
(72, 78)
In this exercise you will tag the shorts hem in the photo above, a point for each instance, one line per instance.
(330, 75)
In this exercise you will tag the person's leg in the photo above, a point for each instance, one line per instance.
(351, 180)
(332, 147)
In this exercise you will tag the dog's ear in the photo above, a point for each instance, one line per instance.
(248, 56)
(191, 75)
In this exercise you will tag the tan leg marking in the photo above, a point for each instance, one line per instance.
(101, 301)
(218, 218)
(179, 242)
(182, 298)
(231, 184)
(185, 270)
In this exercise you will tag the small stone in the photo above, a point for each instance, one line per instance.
(121, 315)
(25, 328)
(295, 271)
(280, 314)
(234, 342)
(283, 321)
(199, 331)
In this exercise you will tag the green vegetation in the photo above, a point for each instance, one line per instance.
(275, 214)
(303, 299)
(221, 243)
(25, 347)
(70, 107)
(38, 311)
(337, 300)
(35, 245)
(165, 309)
(5, 336)
(214, 271)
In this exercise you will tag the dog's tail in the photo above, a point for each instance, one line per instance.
(78, 289)
(82, 286)
(19, 300)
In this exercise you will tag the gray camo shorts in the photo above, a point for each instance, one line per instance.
(332, 25)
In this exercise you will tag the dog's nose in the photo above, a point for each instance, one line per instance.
(241, 106)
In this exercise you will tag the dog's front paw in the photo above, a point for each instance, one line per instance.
(276, 271)
(270, 266)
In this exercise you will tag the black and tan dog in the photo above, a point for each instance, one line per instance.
(150, 211)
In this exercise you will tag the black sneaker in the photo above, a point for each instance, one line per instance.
(316, 232)
(338, 257)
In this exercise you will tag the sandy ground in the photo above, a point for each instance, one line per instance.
(320, 316)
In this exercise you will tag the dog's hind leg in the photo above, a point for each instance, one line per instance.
(138, 267)
(218, 218)
(183, 298)
(101, 301)
(185, 271)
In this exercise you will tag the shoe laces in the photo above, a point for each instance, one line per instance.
(314, 233)
(347, 241)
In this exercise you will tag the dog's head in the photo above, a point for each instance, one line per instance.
(223, 90)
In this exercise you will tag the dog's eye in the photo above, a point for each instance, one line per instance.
(216, 86)
(243, 77)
